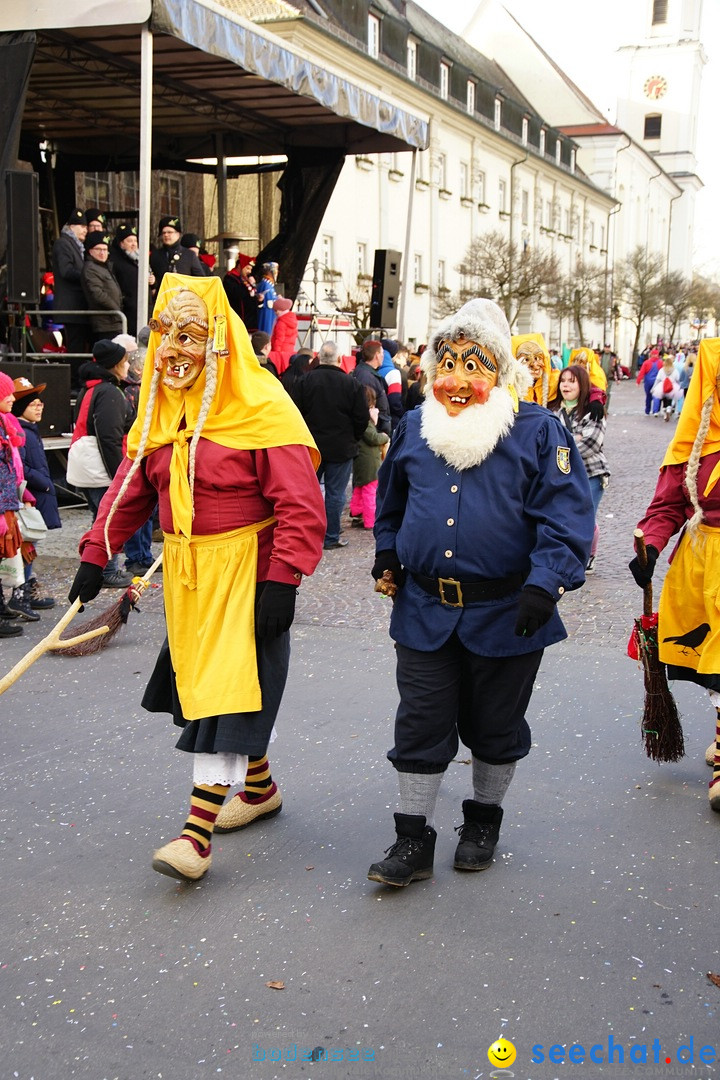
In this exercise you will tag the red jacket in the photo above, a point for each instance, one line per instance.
(284, 340)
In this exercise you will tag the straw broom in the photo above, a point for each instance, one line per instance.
(110, 620)
(661, 728)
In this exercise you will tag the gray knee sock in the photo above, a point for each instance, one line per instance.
(490, 782)
(418, 794)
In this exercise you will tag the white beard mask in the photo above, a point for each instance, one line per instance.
(466, 440)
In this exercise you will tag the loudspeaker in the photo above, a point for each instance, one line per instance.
(385, 289)
(21, 202)
(57, 414)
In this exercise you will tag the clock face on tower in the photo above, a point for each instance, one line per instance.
(655, 87)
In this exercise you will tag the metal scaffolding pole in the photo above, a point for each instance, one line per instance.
(146, 95)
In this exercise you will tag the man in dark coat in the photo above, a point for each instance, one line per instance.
(68, 255)
(366, 372)
(101, 287)
(171, 255)
(335, 409)
(125, 264)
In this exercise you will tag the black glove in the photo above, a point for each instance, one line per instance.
(87, 583)
(596, 410)
(535, 607)
(275, 609)
(643, 574)
(388, 560)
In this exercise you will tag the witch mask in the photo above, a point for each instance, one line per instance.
(184, 328)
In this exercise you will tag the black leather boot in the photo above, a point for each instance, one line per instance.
(411, 856)
(479, 834)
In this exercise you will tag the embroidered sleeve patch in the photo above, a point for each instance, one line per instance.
(563, 459)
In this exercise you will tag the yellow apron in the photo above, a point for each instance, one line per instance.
(689, 612)
(210, 612)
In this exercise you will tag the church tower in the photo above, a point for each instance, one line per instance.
(658, 103)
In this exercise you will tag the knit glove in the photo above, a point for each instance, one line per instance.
(87, 583)
(535, 608)
(275, 609)
(596, 410)
(388, 560)
(643, 574)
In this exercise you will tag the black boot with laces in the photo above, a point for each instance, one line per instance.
(411, 856)
(479, 834)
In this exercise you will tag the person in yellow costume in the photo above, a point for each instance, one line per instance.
(687, 501)
(587, 358)
(232, 464)
(531, 350)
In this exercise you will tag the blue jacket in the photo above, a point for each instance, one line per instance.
(526, 509)
(37, 475)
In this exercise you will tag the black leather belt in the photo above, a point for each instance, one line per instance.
(454, 593)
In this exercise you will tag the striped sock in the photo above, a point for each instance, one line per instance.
(258, 779)
(716, 766)
(205, 803)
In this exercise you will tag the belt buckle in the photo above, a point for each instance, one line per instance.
(442, 583)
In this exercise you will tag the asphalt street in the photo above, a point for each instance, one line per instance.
(587, 944)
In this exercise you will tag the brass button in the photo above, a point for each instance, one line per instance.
(560, 591)
(448, 554)
(454, 488)
(451, 521)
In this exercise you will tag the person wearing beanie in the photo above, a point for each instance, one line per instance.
(28, 408)
(95, 220)
(103, 411)
(220, 444)
(687, 502)
(191, 242)
(266, 297)
(124, 262)
(171, 255)
(68, 256)
(393, 382)
(284, 336)
(102, 289)
(239, 284)
(484, 520)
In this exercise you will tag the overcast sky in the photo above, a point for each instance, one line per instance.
(582, 38)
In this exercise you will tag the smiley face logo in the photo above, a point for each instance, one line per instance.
(501, 1054)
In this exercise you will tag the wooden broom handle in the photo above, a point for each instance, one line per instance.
(49, 642)
(643, 560)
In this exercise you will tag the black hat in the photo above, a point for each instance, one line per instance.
(108, 353)
(189, 240)
(123, 231)
(172, 222)
(94, 214)
(96, 237)
(76, 217)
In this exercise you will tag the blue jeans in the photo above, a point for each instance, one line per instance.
(596, 490)
(137, 549)
(94, 497)
(336, 477)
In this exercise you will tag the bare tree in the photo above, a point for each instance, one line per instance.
(704, 300)
(638, 287)
(581, 296)
(511, 276)
(677, 300)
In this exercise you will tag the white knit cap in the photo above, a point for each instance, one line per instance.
(484, 322)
